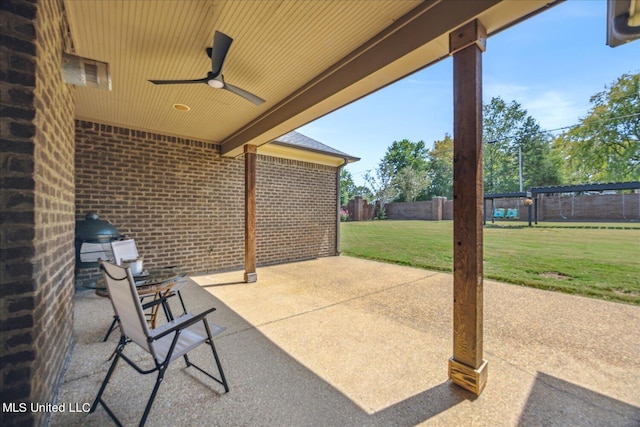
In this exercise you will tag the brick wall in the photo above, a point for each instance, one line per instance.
(176, 197)
(598, 207)
(184, 203)
(37, 206)
(360, 210)
(602, 207)
(296, 211)
(447, 210)
(429, 210)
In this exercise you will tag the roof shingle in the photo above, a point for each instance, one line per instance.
(297, 140)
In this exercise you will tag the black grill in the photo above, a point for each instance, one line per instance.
(93, 240)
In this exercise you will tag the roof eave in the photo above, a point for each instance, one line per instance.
(293, 152)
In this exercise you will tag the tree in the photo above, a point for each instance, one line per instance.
(347, 187)
(440, 169)
(605, 145)
(410, 157)
(382, 188)
(364, 192)
(405, 153)
(510, 133)
(411, 182)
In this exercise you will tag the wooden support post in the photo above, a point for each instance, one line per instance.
(467, 367)
(250, 213)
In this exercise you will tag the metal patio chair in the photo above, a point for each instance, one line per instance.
(126, 250)
(164, 344)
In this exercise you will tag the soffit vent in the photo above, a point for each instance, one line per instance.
(87, 72)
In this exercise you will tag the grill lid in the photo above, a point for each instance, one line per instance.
(94, 229)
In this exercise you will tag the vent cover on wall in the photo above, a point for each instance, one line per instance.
(81, 71)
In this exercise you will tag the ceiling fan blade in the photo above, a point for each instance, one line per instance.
(243, 93)
(221, 45)
(217, 53)
(178, 82)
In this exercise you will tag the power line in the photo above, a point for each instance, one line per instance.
(599, 120)
(545, 131)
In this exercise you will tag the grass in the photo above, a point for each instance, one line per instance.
(591, 259)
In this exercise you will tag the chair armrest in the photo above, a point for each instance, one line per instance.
(179, 325)
(156, 301)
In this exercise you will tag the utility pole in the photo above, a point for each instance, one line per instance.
(520, 165)
(492, 142)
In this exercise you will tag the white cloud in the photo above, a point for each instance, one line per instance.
(508, 92)
(553, 109)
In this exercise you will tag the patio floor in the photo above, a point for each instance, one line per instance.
(347, 342)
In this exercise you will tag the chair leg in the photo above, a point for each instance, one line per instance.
(167, 311)
(222, 377)
(147, 409)
(223, 380)
(184, 308)
(111, 328)
(105, 382)
(98, 400)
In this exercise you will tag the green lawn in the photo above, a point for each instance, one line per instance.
(598, 260)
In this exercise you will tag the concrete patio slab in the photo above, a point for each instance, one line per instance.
(347, 342)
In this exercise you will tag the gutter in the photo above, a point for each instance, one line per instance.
(346, 162)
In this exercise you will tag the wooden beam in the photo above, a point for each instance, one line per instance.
(424, 24)
(250, 213)
(467, 367)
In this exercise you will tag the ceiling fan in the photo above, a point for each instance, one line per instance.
(215, 79)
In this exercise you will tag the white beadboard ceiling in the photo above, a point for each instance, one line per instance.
(304, 57)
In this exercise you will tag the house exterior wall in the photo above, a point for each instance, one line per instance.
(162, 191)
(296, 210)
(184, 203)
(37, 206)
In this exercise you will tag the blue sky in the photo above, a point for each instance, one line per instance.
(551, 64)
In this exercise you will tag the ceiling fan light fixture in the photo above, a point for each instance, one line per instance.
(215, 83)
(181, 107)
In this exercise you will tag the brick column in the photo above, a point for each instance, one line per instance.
(37, 206)
(437, 204)
(357, 208)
